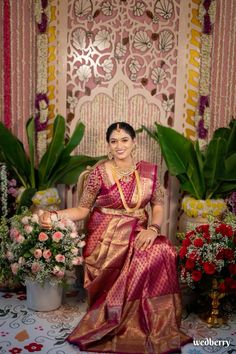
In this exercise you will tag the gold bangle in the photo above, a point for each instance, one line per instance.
(154, 229)
(156, 226)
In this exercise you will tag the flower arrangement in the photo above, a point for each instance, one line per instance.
(202, 208)
(209, 252)
(40, 254)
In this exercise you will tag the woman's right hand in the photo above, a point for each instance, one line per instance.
(45, 219)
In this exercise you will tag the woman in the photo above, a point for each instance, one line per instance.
(130, 268)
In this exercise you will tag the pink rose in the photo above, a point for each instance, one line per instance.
(74, 251)
(35, 267)
(25, 220)
(57, 236)
(9, 255)
(77, 260)
(28, 229)
(14, 268)
(19, 238)
(73, 235)
(14, 233)
(60, 258)
(35, 218)
(38, 253)
(58, 272)
(81, 244)
(43, 237)
(47, 254)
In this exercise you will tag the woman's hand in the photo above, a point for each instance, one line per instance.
(45, 219)
(145, 239)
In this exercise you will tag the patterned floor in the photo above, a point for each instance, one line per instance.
(25, 331)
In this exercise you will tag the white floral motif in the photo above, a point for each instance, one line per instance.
(82, 7)
(166, 41)
(107, 8)
(164, 8)
(120, 50)
(167, 105)
(79, 38)
(102, 40)
(134, 66)
(84, 73)
(139, 8)
(142, 41)
(107, 65)
(73, 101)
(158, 75)
(108, 76)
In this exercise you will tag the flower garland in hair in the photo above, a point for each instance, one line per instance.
(3, 188)
(42, 14)
(207, 11)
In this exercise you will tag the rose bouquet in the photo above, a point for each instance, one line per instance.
(209, 252)
(40, 254)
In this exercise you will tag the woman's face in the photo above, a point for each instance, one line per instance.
(121, 144)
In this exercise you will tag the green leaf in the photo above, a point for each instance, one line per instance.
(30, 130)
(231, 141)
(76, 165)
(229, 173)
(54, 150)
(26, 199)
(214, 164)
(13, 153)
(75, 139)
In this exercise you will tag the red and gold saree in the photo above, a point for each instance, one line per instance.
(134, 300)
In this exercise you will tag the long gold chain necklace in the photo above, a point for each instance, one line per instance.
(127, 208)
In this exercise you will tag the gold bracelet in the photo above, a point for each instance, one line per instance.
(156, 226)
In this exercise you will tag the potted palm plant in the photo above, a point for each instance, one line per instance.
(57, 165)
(207, 176)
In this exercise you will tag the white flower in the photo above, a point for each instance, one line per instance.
(102, 40)
(84, 72)
(133, 77)
(108, 76)
(107, 8)
(166, 41)
(107, 65)
(167, 105)
(82, 7)
(139, 8)
(73, 101)
(142, 41)
(134, 66)
(79, 39)
(158, 75)
(120, 50)
(164, 8)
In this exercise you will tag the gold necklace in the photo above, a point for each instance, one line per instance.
(126, 172)
(127, 208)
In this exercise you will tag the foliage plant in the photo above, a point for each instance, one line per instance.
(33, 253)
(207, 174)
(209, 252)
(57, 165)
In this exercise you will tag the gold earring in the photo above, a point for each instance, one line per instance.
(110, 156)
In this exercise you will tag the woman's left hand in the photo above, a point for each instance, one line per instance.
(145, 239)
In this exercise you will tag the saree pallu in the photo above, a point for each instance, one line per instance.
(133, 295)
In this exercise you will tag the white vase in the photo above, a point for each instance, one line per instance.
(46, 297)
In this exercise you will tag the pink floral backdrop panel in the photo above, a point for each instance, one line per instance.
(17, 87)
(223, 74)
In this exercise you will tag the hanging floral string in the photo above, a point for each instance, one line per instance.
(42, 14)
(207, 11)
(3, 187)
